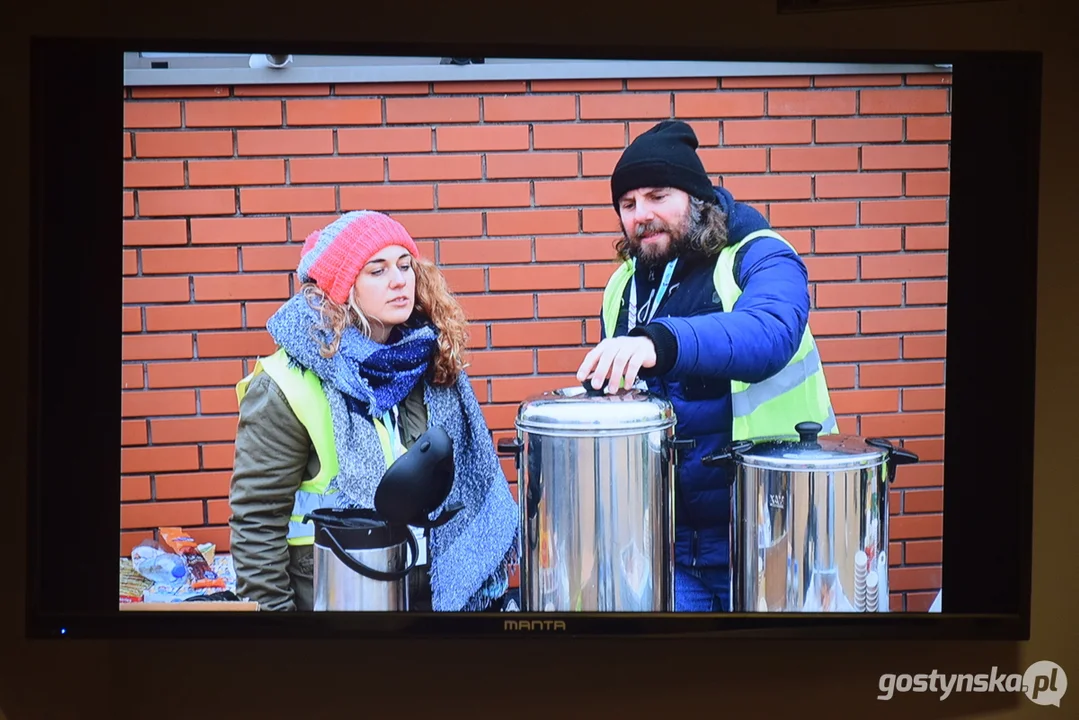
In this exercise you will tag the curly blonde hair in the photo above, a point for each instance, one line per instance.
(434, 302)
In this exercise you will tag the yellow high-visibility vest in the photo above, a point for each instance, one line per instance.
(772, 407)
(305, 396)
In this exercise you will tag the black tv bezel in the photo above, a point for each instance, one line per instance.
(73, 495)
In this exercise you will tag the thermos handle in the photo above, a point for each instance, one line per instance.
(358, 567)
(448, 514)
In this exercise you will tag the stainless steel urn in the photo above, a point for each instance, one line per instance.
(595, 487)
(809, 521)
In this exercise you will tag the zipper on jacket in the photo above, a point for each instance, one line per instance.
(695, 549)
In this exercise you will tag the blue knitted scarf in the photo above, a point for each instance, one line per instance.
(471, 556)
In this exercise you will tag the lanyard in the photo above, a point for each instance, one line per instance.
(389, 420)
(632, 318)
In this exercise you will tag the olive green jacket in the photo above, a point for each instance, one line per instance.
(274, 454)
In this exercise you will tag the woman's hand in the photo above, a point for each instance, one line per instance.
(619, 359)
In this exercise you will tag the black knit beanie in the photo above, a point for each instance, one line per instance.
(663, 156)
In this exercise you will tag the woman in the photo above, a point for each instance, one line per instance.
(369, 356)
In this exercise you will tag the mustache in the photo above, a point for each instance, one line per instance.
(651, 229)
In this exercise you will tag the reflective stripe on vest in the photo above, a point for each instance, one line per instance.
(299, 532)
(303, 391)
(797, 393)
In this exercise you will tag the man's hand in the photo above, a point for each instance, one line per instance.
(619, 359)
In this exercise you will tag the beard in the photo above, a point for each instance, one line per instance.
(698, 236)
(655, 255)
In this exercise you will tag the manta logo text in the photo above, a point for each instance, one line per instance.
(534, 625)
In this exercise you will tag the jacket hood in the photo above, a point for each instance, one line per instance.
(742, 219)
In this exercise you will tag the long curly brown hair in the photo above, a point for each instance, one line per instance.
(434, 303)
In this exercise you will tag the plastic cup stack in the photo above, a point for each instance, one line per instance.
(882, 569)
(872, 600)
(860, 572)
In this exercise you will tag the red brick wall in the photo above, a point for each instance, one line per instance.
(506, 184)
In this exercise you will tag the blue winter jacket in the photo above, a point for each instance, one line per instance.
(701, 346)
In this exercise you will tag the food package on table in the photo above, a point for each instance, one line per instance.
(186, 547)
(132, 584)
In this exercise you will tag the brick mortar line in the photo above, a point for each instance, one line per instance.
(423, 155)
(560, 348)
(552, 179)
(574, 121)
(834, 363)
(526, 208)
(493, 91)
(904, 86)
(538, 376)
(569, 293)
(597, 233)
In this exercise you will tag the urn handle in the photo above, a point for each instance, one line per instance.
(728, 459)
(894, 455)
(511, 446)
(675, 446)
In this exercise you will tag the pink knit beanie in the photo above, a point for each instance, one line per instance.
(333, 257)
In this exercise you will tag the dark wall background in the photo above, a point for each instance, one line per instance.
(205, 679)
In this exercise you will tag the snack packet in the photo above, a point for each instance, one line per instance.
(186, 547)
(207, 550)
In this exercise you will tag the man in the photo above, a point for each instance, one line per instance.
(710, 309)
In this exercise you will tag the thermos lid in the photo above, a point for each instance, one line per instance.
(583, 411)
(419, 481)
(355, 528)
(807, 450)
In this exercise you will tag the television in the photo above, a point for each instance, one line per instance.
(877, 178)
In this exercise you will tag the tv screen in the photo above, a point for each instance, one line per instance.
(407, 337)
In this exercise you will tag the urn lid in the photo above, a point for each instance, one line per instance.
(584, 411)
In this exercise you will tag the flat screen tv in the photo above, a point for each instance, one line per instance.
(408, 340)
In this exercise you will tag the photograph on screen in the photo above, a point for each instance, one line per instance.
(498, 335)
